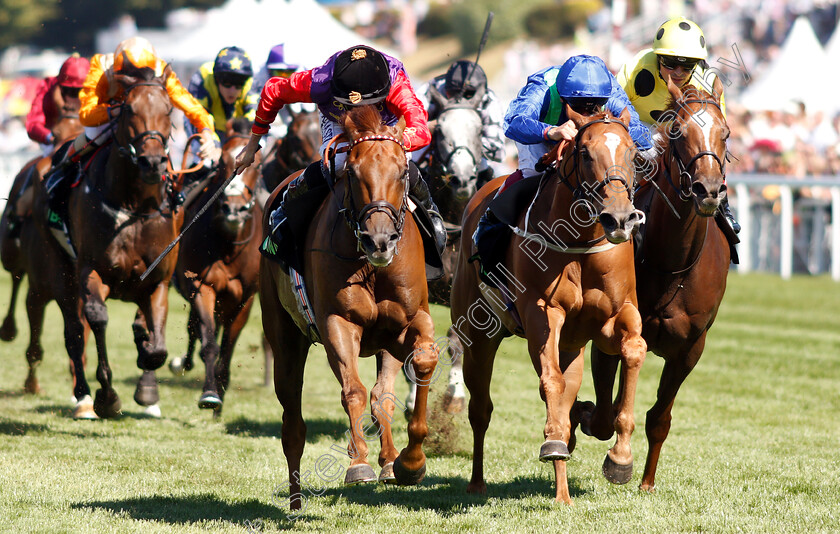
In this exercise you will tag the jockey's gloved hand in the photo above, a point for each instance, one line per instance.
(208, 149)
(649, 154)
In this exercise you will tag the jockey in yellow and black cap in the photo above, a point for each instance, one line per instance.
(679, 52)
(224, 87)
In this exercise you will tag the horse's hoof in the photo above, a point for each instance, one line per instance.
(8, 331)
(404, 477)
(386, 476)
(554, 449)
(452, 402)
(359, 473)
(146, 395)
(477, 488)
(84, 409)
(617, 473)
(586, 409)
(31, 386)
(210, 400)
(107, 404)
(176, 365)
(152, 411)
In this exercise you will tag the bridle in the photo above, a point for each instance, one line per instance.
(686, 178)
(129, 149)
(580, 191)
(585, 190)
(443, 161)
(357, 220)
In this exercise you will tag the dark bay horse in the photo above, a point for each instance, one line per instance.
(293, 152)
(362, 303)
(19, 207)
(21, 249)
(684, 259)
(569, 281)
(120, 219)
(218, 267)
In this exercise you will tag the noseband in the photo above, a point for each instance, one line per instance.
(584, 190)
(685, 176)
(356, 222)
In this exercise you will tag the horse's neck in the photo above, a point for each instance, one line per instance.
(122, 187)
(553, 214)
(679, 239)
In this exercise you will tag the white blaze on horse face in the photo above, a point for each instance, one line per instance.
(236, 187)
(705, 121)
(613, 141)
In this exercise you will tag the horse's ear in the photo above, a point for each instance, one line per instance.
(717, 87)
(573, 115)
(167, 71)
(676, 92)
(401, 125)
(438, 99)
(125, 80)
(625, 117)
(348, 124)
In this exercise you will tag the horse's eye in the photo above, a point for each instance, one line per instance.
(585, 155)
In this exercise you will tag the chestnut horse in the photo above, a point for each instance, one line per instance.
(291, 153)
(361, 303)
(217, 271)
(683, 262)
(561, 295)
(121, 217)
(21, 249)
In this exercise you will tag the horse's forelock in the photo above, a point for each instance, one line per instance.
(363, 119)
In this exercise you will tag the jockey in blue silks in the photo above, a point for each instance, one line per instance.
(536, 119)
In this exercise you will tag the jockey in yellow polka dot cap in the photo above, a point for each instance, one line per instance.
(224, 87)
(679, 52)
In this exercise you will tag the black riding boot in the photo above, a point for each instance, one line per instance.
(308, 180)
(487, 221)
(724, 208)
(418, 188)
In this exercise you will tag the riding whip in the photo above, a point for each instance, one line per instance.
(204, 208)
(483, 42)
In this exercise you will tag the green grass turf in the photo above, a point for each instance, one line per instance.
(753, 446)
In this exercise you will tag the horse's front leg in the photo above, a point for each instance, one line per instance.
(618, 464)
(204, 305)
(382, 404)
(151, 346)
(94, 292)
(410, 465)
(558, 389)
(342, 341)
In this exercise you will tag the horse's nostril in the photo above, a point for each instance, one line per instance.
(699, 190)
(608, 222)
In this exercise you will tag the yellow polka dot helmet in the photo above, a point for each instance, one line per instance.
(680, 37)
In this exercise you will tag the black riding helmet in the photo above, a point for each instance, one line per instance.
(464, 80)
(360, 77)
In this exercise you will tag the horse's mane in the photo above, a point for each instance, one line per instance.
(672, 107)
(363, 119)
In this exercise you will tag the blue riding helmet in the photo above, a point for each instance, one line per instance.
(584, 78)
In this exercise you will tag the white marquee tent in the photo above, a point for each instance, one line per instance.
(798, 73)
(310, 33)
